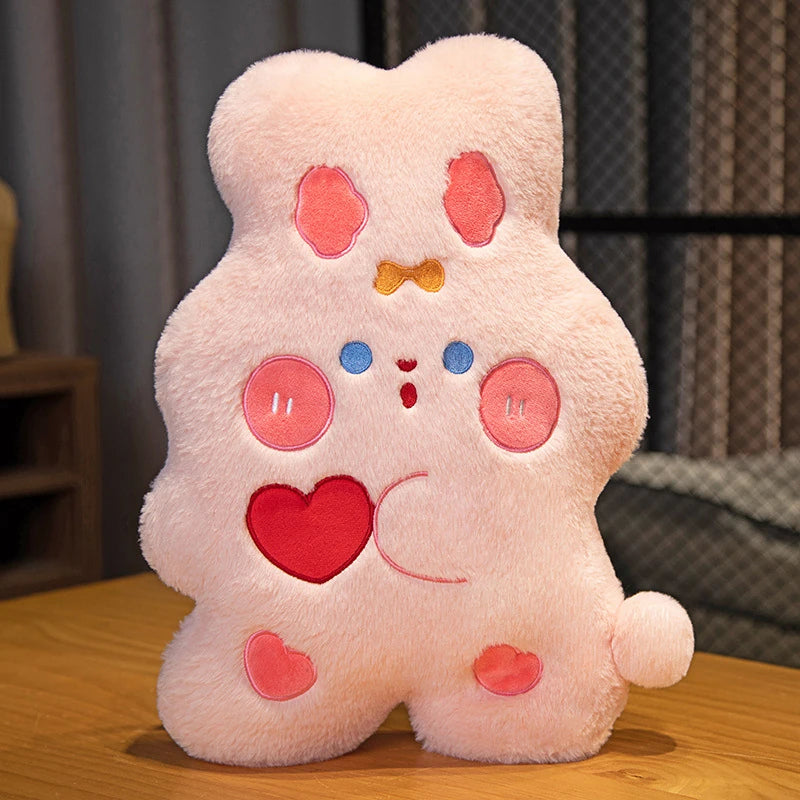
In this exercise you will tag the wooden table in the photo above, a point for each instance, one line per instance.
(78, 720)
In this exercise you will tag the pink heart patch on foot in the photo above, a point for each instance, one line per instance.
(276, 671)
(504, 670)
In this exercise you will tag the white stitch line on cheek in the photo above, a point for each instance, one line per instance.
(289, 406)
(522, 408)
(508, 406)
(275, 398)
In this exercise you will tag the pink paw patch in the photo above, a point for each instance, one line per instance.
(474, 201)
(330, 212)
(276, 671)
(311, 536)
(288, 403)
(519, 405)
(504, 670)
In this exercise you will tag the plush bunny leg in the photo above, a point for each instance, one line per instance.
(653, 640)
(284, 707)
(566, 715)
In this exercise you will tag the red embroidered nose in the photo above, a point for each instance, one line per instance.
(406, 364)
(408, 394)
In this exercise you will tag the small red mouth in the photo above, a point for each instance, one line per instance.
(408, 394)
(406, 364)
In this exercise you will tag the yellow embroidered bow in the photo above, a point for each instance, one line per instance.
(429, 275)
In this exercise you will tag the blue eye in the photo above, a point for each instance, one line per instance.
(356, 357)
(457, 357)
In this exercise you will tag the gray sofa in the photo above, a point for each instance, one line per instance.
(723, 537)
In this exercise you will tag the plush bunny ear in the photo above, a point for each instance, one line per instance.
(472, 108)
(272, 124)
(498, 100)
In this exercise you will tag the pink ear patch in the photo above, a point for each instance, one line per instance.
(275, 671)
(474, 201)
(315, 536)
(330, 213)
(288, 403)
(519, 405)
(504, 670)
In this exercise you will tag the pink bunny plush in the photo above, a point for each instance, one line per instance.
(391, 408)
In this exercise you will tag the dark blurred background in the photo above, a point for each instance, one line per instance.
(681, 202)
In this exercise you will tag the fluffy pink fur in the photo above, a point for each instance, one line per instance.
(519, 526)
(653, 640)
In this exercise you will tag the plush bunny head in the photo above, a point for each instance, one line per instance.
(394, 398)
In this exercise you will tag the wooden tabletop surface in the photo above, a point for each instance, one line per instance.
(78, 720)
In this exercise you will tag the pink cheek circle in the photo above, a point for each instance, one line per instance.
(288, 403)
(519, 405)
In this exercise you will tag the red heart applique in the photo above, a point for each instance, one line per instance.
(313, 536)
(504, 670)
(274, 670)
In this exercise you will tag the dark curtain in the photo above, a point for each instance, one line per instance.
(104, 110)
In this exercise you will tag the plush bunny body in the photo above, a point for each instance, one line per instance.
(391, 409)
